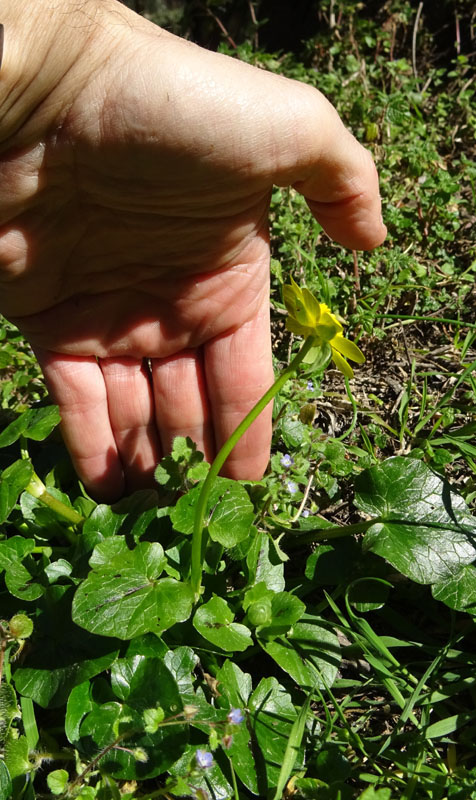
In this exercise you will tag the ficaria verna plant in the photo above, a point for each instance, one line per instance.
(142, 652)
(323, 340)
(286, 657)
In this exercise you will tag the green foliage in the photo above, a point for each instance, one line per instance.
(337, 603)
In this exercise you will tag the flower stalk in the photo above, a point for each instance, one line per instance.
(199, 535)
(323, 339)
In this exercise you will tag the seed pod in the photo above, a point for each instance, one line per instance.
(20, 626)
(259, 613)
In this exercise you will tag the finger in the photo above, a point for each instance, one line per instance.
(131, 415)
(181, 404)
(77, 385)
(354, 217)
(239, 370)
(337, 176)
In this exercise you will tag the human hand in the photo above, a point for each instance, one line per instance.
(135, 177)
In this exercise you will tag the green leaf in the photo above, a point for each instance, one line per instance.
(182, 662)
(44, 522)
(14, 550)
(295, 433)
(286, 609)
(63, 655)
(41, 422)
(8, 709)
(332, 563)
(35, 423)
(50, 687)
(459, 590)
(229, 514)
(427, 532)
(21, 583)
(236, 684)
(12, 432)
(264, 564)
(447, 726)
(331, 764)
(129, 603)
(16, 756)
(133, 516)
(184, 462)
(214, 621)
(13, 480)
(368, 594)
(89, 793)
(58, 569)
(79, 704)
(102, 523)
(232, 517)
(57, 781)
(199, 783)
(113, 554)
(147, 684)
(310, 789)
(121, 596)
(148, 645)
(5, 782)
(272, 716)
(371, 793)
(310, 655)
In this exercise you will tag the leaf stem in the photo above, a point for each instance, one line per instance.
(419, 317)
(37, 489)
(321, 534)
(199, 539)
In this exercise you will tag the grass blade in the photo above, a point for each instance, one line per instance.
(292, 748)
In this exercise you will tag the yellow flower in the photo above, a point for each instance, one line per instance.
(308, 317)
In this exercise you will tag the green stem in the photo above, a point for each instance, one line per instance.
(199, 539)
(233, 780)
(335, 532)
(418, 317)
(37, 488)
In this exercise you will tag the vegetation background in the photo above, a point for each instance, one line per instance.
(353, 562)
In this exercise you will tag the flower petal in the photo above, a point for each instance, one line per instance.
(313, 307)
(342, 364)
(289, 298)
(295, 327)
(328, 325)
(347, 348)
(326, 333)
(299, 303)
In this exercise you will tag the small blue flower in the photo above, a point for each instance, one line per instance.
(306, 512)
(310, 386)
(292, 487)
(235, 716)
(204, 759)
(286, 461)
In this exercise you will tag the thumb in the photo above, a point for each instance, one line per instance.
(336, 175)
